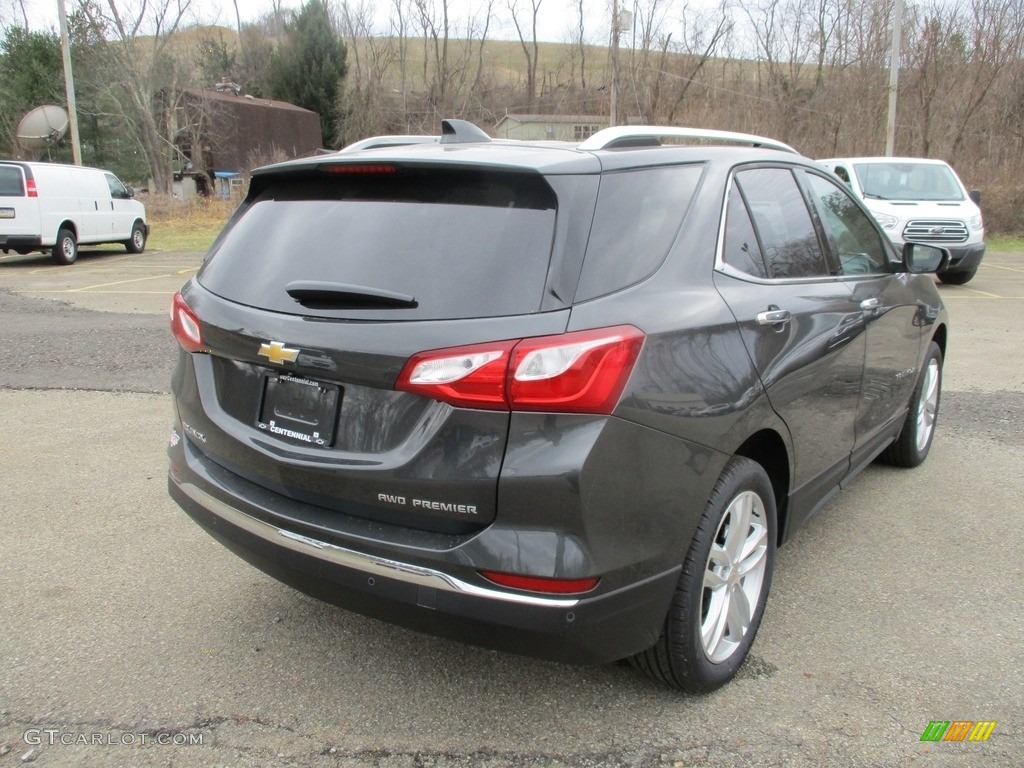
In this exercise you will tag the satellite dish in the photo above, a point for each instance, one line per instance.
(42, 127)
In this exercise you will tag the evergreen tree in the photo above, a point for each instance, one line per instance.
(309, 67)
(31, 74)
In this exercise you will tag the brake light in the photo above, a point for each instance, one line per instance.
(185, 326)
(355, 169)
(540, 584)
(30, 188)
(579, 372)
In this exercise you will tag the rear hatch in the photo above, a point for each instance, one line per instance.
(323, 286)
(19, 205)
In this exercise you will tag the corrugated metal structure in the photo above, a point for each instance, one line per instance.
(223, 130)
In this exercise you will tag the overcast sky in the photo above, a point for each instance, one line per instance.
(554, 18)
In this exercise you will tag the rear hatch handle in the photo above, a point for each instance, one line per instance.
(316, 294)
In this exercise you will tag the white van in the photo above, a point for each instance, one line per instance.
(920, 200)
(52, 207)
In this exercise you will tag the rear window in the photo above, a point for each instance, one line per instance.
(11, 181)
(462, 243)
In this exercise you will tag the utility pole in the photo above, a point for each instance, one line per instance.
(613, 118)
(69, 84)
(894, 77)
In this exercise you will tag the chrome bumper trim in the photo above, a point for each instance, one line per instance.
(359, 561)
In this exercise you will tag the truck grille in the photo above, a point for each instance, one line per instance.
(935, 231)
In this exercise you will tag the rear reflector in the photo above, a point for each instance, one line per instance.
(580, 372)
(185, 326)
(539, 584)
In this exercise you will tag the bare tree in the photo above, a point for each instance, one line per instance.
(144, 76)
(529, 44)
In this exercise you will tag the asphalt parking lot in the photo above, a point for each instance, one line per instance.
(128, 637)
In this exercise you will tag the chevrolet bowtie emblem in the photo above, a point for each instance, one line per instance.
(276, 352)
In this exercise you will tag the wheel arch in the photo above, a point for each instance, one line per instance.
(68, 224)
(768, 449)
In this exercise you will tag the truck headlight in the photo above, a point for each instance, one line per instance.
(887, 221)
(976, 222)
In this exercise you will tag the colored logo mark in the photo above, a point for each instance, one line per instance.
(958, 730)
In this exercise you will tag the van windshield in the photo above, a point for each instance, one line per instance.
(908, 181)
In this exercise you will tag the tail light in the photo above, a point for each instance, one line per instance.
(541, 584)
(580, 372)
(185, 326)
(30, 188)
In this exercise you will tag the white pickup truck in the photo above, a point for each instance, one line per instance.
(920, 200)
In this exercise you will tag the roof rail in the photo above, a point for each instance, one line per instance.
(650, 135)
(461, 131)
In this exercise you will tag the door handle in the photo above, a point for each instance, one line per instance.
(774, 316)
(870, 304)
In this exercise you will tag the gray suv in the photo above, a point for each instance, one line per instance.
(563, 400)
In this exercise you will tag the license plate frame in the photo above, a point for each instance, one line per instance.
(300, 410)
(7, 213)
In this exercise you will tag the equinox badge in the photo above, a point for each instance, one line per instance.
(276, 352)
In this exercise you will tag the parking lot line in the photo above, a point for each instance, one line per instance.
(1003, 266)
(92, 288)
(169, 292)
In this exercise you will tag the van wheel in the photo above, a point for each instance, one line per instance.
(65, 250)
(137, 242)
(723, 586)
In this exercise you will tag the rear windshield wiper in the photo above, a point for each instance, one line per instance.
(315, 294)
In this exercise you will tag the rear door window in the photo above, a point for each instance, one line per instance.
(12, 183)
(790, 242)
(463, 243)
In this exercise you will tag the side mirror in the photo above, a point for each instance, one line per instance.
(919, 258)
(131, 192)
(975, 195)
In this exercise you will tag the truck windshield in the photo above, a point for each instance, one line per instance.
(908, 181)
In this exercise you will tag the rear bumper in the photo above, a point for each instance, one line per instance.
(569, 629)
(13, 242)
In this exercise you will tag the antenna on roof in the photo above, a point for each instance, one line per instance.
(461, 132)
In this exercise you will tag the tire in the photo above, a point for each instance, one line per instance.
(723, 587)
(958, 278)
(65, 250)
(915, 438)
(137, 242)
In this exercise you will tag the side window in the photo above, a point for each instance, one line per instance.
(854, 238)
(118, 191)
(740, 249)
(783, 222)
(636, 221)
